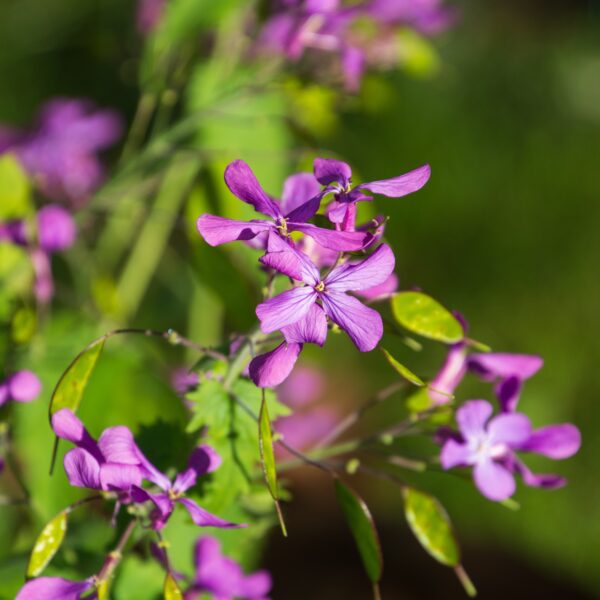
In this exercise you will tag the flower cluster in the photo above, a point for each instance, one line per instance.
(360, 34)
(301, 314)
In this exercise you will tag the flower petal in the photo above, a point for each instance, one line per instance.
(362, 324)
(341, 241)
(370, 272)
(118, 446)
(68, 427)
(82, 469)
(218, 230)
(329, 171)
(54, 588)
(450, 375)
(286, 308)
(494, 481)
(510, 429)
(203, 460)
(508, 392)
(24, 386)
(402, 185)
(119, 477)
(298, 189)
(454, 454)
(164, 505)
(203, 518)
(311, 329)
(381, 291)
(272, 368)
(255, 586)
(501, 365)
(243, 183)
(541, 480)
(472, 417)
(284, 257)
(554, 441)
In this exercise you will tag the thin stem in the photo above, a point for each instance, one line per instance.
(114, 558)
(376, 591)
(14, 468)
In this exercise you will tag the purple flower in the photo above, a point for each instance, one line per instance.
(427, 16)
(222, 577)
(284, 218)
(183, 380)
(56, 228)
(22, 386)
(203, 460)
(489, 446)
(302, 388)
(305, 428)
(149, 14)
(61, 152)
(448, 378)
(337, 176)
(55, 588)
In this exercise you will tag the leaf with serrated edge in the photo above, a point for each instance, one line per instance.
(47, 544)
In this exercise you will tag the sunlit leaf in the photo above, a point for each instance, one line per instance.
(423, 315)
(363, 530)
(102, 590)
(171, 590)
(431, 525)
(403, 371)
(47, 544)
(15, 201)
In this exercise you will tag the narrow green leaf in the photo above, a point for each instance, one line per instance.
(403, 371)
(363, 530)
(71, 386)
(423, 315)
(47, 544)
(431, 525)
(171, 590)
(267, 456)
(15, 197)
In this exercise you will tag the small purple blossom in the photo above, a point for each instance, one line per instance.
(223, 578)
(489, 445)
(22, 386)
(55, 228)
(149, 14)
(55, 588)
(183, 380)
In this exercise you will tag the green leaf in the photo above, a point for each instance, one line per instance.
(171, 590)
(423, 315)
(431, 525)
(402, 370)
(363, 530)
(47, 544)
(102, 590)
(71, 386)
(15, 197)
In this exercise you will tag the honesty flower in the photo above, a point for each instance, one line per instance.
(285, 218)
(489, 445)
(337, 177)
(22, 386)
(223, 578)
(203, 460)
(427, 16)
(55, 588)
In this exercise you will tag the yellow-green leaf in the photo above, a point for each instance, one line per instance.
(171, 590)
(47, 544)
(69, 390)
(363, 530)
(431, 525)
(403, 371)
(15, 198)
(425, 316)
(102, 590)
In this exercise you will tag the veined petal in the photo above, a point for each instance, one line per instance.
(204, 459)
(402, 185)
(54, 588)
(286, 308)
(341, 241)
(218, 230)
(370, 272)
(272, 368)
(511, 429)
(119, 477)
(328, 171)
(311, 329)
(203, 518)
(554, 441)
(68, 427)
(362, 324)
(494, 481)
(284, 257)
(454, 454)
(472, 417)
(118, 446)
(243, 183)
(381, 291)
(298, 189)
(82, 469)
(501, 365)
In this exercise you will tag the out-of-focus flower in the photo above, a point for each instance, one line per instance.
(489, 446)
(60, 153)
(222, 577)
(56, 228)
(149, 14)
(55, 588)
(302, 388)
(183, 380)
(22, 386)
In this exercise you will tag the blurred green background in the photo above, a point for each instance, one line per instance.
(506, 231)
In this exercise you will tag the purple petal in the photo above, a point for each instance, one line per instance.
(118, 446)
(508, 392)
(203, 460)
(203, 518)
(119, 477)
(329, 171)
(56, 228)
(304, 429)
(472, 417)
(255, 586)
(218, 230)
(311, 329)
(164, 505)
(44, 283)
(24, 386)
(82, 469)
(4, 394)
(341, 241)
(554, 441)
(284, 257)
(498, 365)
(353, 66)
(338, 212)
(298, 189)
(494, 481)
(399, 186)
(272, 368)
(454, 454)
(541, 480)
(285, 309)
(54, 588)
(510, 429)
(450, 375)
(243, 183)
(68, 427)
(363, 275)
(381, 291)
(362, 324)
(303, 387)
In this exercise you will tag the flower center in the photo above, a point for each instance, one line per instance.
(282, 226)
(320, 286)
(173, 495)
